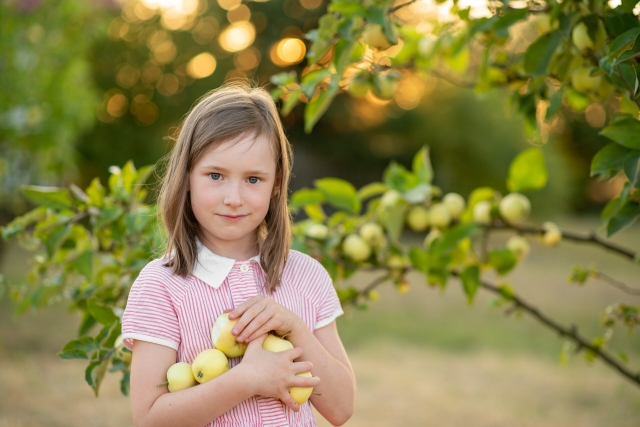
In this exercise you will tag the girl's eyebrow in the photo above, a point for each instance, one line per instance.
(221, 169)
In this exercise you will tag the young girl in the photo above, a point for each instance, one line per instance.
(223, 203)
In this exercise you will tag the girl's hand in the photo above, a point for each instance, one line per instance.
(259, 315)
(273, 374)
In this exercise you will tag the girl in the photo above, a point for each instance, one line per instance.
(223, 203)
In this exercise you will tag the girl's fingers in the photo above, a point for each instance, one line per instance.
(256, 326)
(299, 367)
(293, 354)
(239, 310)
(247, 317)
(267, 327)
(305, 381)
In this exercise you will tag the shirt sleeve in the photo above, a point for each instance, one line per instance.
(150, 314)
(329, 308)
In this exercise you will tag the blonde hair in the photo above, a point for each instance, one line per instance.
(236, 108)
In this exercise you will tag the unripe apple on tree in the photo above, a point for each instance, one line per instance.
(384, 86)
(318, 232)
(390, 198)
(373, 35)
(454, 203)
(519, 245)
(397, 261)
(583, 81)
(356, 248)
(482, 212)
(439, 216)
(542, 23)
(418, 218)
(431, 236)
(209, 364)
(580, 37)
(514, 207)
(552, 234)
(121, 352)
(359, 84)
(426, 46)
(373, 234)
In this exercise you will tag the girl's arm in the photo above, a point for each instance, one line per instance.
(331, 364)
(262, 374)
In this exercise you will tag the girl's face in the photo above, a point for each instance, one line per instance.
(231, 187)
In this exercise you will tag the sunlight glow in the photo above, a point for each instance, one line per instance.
(202, 65)
(237, 36)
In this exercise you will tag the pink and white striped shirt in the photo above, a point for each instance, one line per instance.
(177, 312)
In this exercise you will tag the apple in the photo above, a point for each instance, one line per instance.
(519, 245)
(209, 364)
(418, 218)
(373, 234)
(397, 261)
(318, 231)
(426, 46)
(552, 234)
(384, 86)
(583, 81)
(359, 84)
(179, 377)
(276, 344)
(542, 23)
(514, 207)
(439, 215)
(604, 90)
(433, 235)
(454, 203)
(482, 213)
(223, 339)
(390, 198)
(355, 247)
(580, 37)
(121, 352)
(402, 286)
(373, 35)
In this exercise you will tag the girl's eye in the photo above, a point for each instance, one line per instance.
(254, 180)
(214, 176)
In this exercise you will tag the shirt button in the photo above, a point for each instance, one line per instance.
(244, 268)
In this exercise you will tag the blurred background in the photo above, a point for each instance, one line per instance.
(85, 85)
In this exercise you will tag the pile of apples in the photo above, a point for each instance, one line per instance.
(213, 362)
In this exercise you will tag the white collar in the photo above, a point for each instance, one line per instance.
(212, 268)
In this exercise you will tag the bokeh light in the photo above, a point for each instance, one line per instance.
(311, 4)
(117, 105)
(205, 30)
(229, 4)
(595, 115)
(237, 36)
(202, 65)
(288, 51)
(168, 84)
(248, 59)
(240, 13)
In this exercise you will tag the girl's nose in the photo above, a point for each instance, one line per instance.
(233, 198)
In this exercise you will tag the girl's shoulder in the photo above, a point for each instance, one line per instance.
(302, 268)
(158, 273)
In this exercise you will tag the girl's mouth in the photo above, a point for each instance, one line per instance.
(232, 218)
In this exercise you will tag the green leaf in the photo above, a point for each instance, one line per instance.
(95, 191)
(452, 238)
(107, 216)
(527, 171)
(284, 78)
(95, 373)
(419, 259)
(19, 224)
(503, 260)
(124, 383)
(501, 26)
(347, 8)
(422, 165)
(84, 264)
(318, 105)
(392, 218)
(470, 278)
(129, 174)
(632, 167)
(51, 197)
(538, 55)
(626, 216)
(55, 237)
(314, 211)
(555, 102)
(306, 196)
(622, 43)
(311, 80)
(628, 77)
(609, 160)
(625, 130)
(101, 312)
(339, 193)
(78, 349)
(399, 178)
(371, 190)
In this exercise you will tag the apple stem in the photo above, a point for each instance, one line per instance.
(285, 335)
(316, 393)
(161, 384)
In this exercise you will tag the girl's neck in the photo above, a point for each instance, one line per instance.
(238, 250)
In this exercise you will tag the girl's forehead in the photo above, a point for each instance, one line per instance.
(246, 148)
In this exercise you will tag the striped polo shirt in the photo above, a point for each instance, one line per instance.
(177, 312)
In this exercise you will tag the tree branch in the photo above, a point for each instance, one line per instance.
(616, 283)
(400, 6)
(578, 237)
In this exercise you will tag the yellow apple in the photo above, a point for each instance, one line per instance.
(276, 345)
(514, 207)
(390, 198)
(121, 352)
(580, 37)
(356, 248)
(318, 232)
(439, 216)
(519, 245)
(542, 24)
(397, 261)
(552, 234)
(418, 218)
(179, 377)
(482, 213)
(373, 234)
(373, 35)
(582, 81)
(223, 339)
(454, 203)
(359, 84)
(426, 46)
(209, 364)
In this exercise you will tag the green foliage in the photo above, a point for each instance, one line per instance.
(89, 247)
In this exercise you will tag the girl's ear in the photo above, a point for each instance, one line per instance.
(276, 186)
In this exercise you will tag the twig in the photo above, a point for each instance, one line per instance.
(616, 283)
(400, 6)
(579, 237)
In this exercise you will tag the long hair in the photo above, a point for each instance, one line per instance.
(236, 108)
